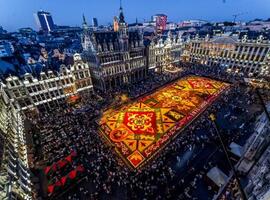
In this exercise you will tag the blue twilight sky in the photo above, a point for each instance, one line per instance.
(19, 13)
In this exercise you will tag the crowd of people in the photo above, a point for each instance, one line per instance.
(67, 129)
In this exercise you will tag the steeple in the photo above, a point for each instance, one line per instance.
(121, 13)
(84, 21)
(86, 42)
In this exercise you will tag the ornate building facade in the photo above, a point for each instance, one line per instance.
(15, 180)
(250, 57)
(163, 52)
(50, 88)
(115, 57)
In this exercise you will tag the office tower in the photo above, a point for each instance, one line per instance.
(44, 21)
(161, 21)
(95, 22)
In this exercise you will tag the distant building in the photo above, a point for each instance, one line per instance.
(6, 49)
(2, 31)
(95, 22)
(258, 25)
(171, 26)
(44, 21)
(161, 22)
(150, 23)
(192, 23)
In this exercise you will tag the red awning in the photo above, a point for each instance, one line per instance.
(54, 167)
(73, 99)
(73, 154)
(62, 163)
(47, 169)
(58, 183)
(50, 188)
(64, 180)
(72, 174)
(80, 168)
(69, 158)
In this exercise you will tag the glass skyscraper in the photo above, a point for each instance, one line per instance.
(44, 21)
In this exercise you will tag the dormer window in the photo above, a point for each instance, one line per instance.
(111, 46)
(29, 79)
(12, 84)
(17, 82)
(43, 77)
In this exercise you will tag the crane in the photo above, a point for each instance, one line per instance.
(237, 15)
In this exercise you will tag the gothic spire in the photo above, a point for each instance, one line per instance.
(121, 15)
(84, 21)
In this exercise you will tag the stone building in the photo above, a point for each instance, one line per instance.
(236, 55)
(50, 88)
(115, 57)
(15, 182)
(163, 49)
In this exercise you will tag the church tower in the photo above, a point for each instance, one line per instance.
(122, 30)
(86, 41)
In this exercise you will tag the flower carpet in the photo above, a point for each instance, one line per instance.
(141, 128)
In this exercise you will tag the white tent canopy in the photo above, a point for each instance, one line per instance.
(217, 176)
(236, 149)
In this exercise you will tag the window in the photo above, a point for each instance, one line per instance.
(34, 89)
(27, 102)
(17, 82)
(16, 93)
(53, 84)
(39, 98)
(81, 75)
(43, 97)
(38, 87)
(23, 92)
(12, 83)
(30, 89)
